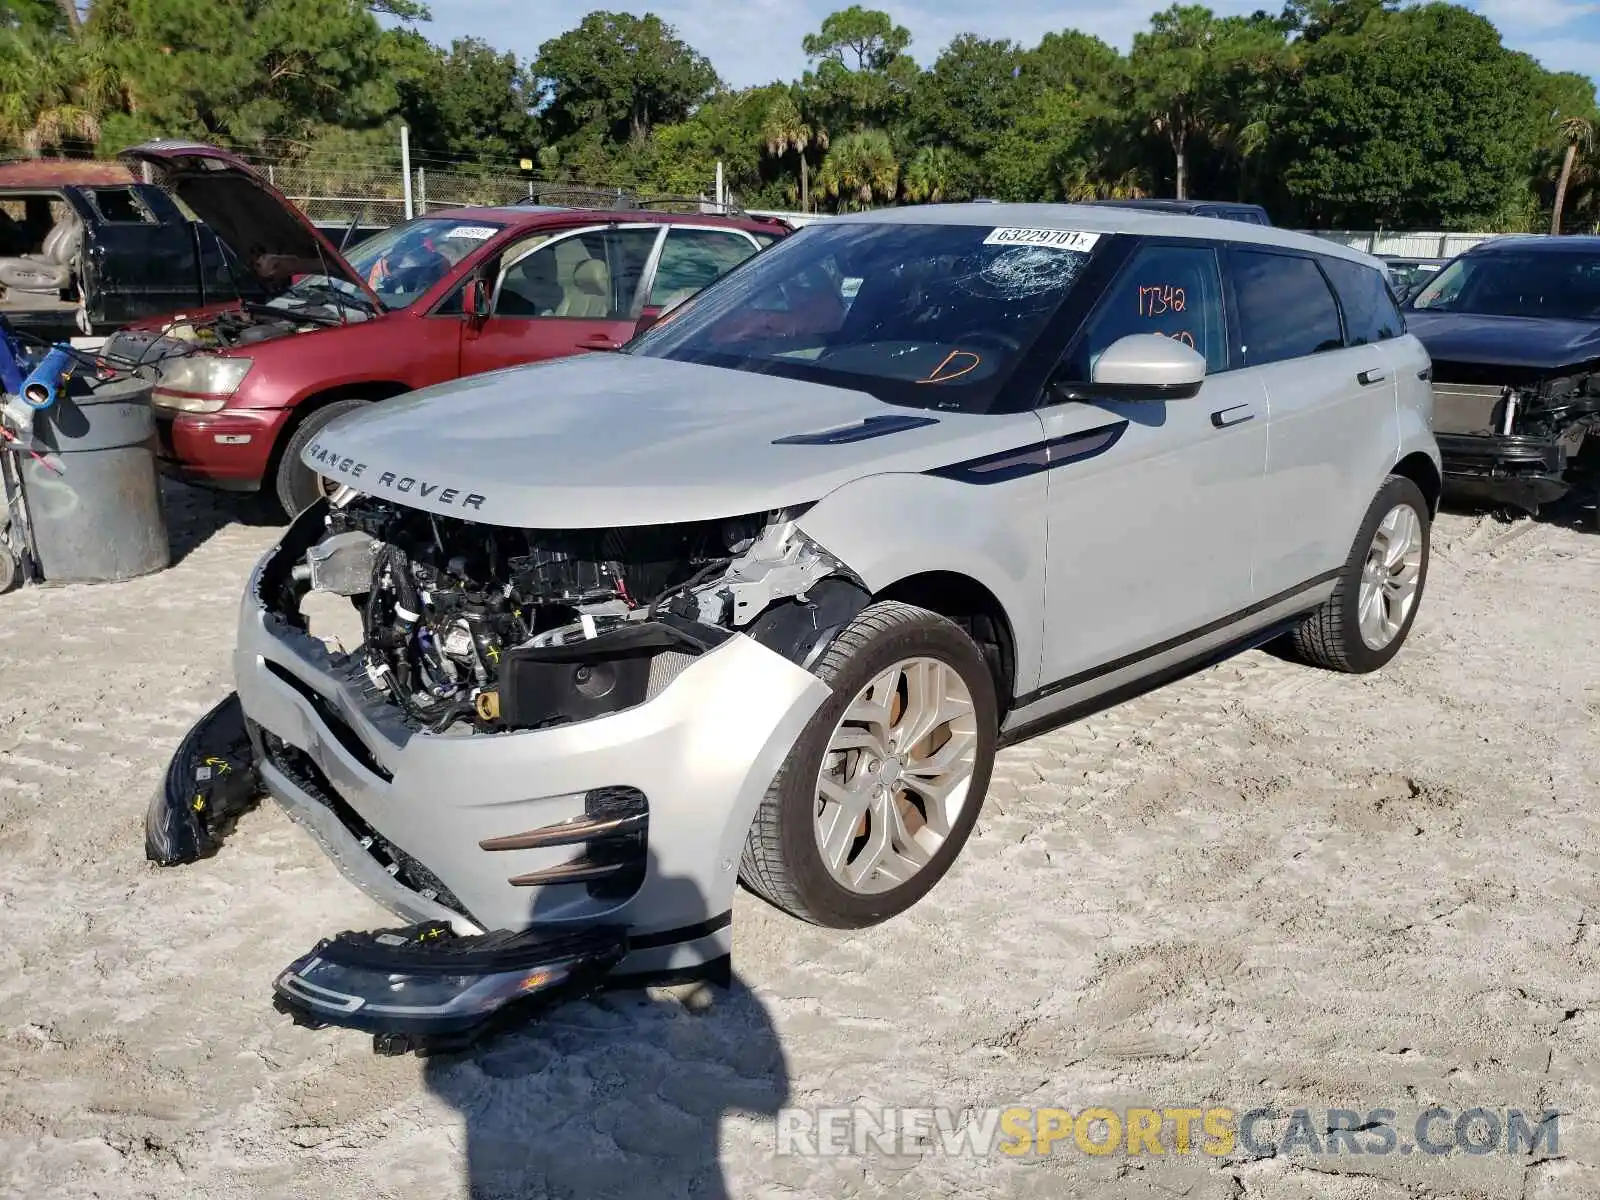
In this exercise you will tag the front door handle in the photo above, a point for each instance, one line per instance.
(1237, 415)
(598, 341)
(1368, 378)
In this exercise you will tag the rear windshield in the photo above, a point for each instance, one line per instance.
(936, 316)
(1560, 286)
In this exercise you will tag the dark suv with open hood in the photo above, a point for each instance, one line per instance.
(1513, 327)
(245, 387)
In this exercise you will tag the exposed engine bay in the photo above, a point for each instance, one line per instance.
(243, 326)
(1516, 437)
(474, 627)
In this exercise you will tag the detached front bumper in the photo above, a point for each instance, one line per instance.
(513, 837)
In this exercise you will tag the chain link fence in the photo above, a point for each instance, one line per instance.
(340, 194)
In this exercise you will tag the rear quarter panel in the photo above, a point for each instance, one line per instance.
(1413, 398)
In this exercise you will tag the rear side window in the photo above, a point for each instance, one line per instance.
(1175, 291)
(1370, 313)
(694, 258)
(1285, 307)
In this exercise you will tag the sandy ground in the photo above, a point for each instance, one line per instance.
(1264, 885)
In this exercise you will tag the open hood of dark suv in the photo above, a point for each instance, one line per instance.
(273, 238)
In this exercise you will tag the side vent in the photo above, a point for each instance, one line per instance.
(856, 431)
(612, 832)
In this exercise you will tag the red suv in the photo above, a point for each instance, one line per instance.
(244, 387)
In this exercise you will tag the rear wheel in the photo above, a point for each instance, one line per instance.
(883, 787)
(296, 485)
(1365, 622)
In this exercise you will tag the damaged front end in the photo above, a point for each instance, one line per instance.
(540, 747)
(1519, 438)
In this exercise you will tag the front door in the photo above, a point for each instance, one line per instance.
(1151, 537)
(560, 294)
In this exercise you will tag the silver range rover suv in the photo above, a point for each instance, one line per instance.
(760, 596)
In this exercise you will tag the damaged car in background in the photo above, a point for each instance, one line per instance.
(573, 648)
(245, 387)
(1513, 327)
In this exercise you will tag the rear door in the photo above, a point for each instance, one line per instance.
(562, 293)
(1331, 394)
(693, 257)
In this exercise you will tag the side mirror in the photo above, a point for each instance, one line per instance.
(1147, 366)
(647, 317)
(475, 300)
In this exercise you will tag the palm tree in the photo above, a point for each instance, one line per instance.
(860, 167)
(929, 176)
(783, 130)
(1577, 132)
(53, 91)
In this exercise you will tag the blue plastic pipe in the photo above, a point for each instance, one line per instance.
(40, 388)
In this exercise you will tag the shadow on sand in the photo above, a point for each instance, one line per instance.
(620, 1095)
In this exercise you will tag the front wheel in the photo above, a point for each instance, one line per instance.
(1365, 622)
(296, 485)
(884, 785)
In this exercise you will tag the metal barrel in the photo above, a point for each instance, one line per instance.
(100, 519)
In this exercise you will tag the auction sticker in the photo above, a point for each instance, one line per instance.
(476, 232)
(1055, 239)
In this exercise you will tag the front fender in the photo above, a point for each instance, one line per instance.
(889, 527)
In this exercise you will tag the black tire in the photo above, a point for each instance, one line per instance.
(1331, 636)
(296, 485)
(781, 860)
(10, 570)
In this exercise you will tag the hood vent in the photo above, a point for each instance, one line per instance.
(856, 431)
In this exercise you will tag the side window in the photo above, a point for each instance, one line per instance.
(693, 258)
(1370, 313)
(1285, 307)
(119, 206)
(1175, 291)
(593, 275)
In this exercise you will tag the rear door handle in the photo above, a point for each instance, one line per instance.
(1368, 378)
(598, 341)
(1237, 415)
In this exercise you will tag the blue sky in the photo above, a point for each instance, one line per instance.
(757, 41)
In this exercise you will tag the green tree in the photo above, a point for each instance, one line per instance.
(252, 73)
(1418, 118)
(621, 74)
(931, 175)
(1169, 71)
(783, 129)
(965, 103)
(54, 91)
(861, 74)
(859, 169)
(473, 102)
(1578, 134)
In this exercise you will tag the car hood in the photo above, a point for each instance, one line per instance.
(1527, 345)
(606, 440)
(274, 239)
